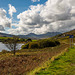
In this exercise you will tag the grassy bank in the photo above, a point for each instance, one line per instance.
(63, 65)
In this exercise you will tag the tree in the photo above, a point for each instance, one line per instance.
(11, 43)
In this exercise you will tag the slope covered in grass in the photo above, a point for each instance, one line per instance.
(63, 65)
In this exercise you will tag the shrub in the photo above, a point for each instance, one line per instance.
(26, 46)
(46, 43)
(41, 44)
(57, 42)
(4, 51)
(33, 45)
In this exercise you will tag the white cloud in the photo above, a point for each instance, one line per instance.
(11, 10)
(54, 15)
(31, 17)
(4, 21)
(35, 0)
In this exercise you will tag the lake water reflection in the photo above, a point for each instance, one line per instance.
(3, 47)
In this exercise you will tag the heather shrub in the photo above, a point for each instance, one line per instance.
(4, 51)
(57, 42)
(46, 43)
(26, 46)
(41, 44)
(33, 45)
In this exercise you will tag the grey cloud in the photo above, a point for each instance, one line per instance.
(2, 28)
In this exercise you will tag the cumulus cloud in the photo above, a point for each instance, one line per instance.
(55, 15)
(35, 0)
(11, 10)
(4, 21)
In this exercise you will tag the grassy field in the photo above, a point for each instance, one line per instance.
(62, 65)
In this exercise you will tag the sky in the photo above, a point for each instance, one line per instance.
(21, 17)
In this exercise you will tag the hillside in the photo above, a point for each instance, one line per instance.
(72, 32)
(62, 65)
(64, 37)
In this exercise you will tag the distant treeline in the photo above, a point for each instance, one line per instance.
(4, 39)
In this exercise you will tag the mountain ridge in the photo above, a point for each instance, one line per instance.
(32, 35)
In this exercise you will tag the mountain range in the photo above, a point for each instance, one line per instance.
(32, 35)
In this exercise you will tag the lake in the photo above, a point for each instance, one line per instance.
(3, 47)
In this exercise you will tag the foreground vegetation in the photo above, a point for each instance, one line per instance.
(62, 65)
(26, 60)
